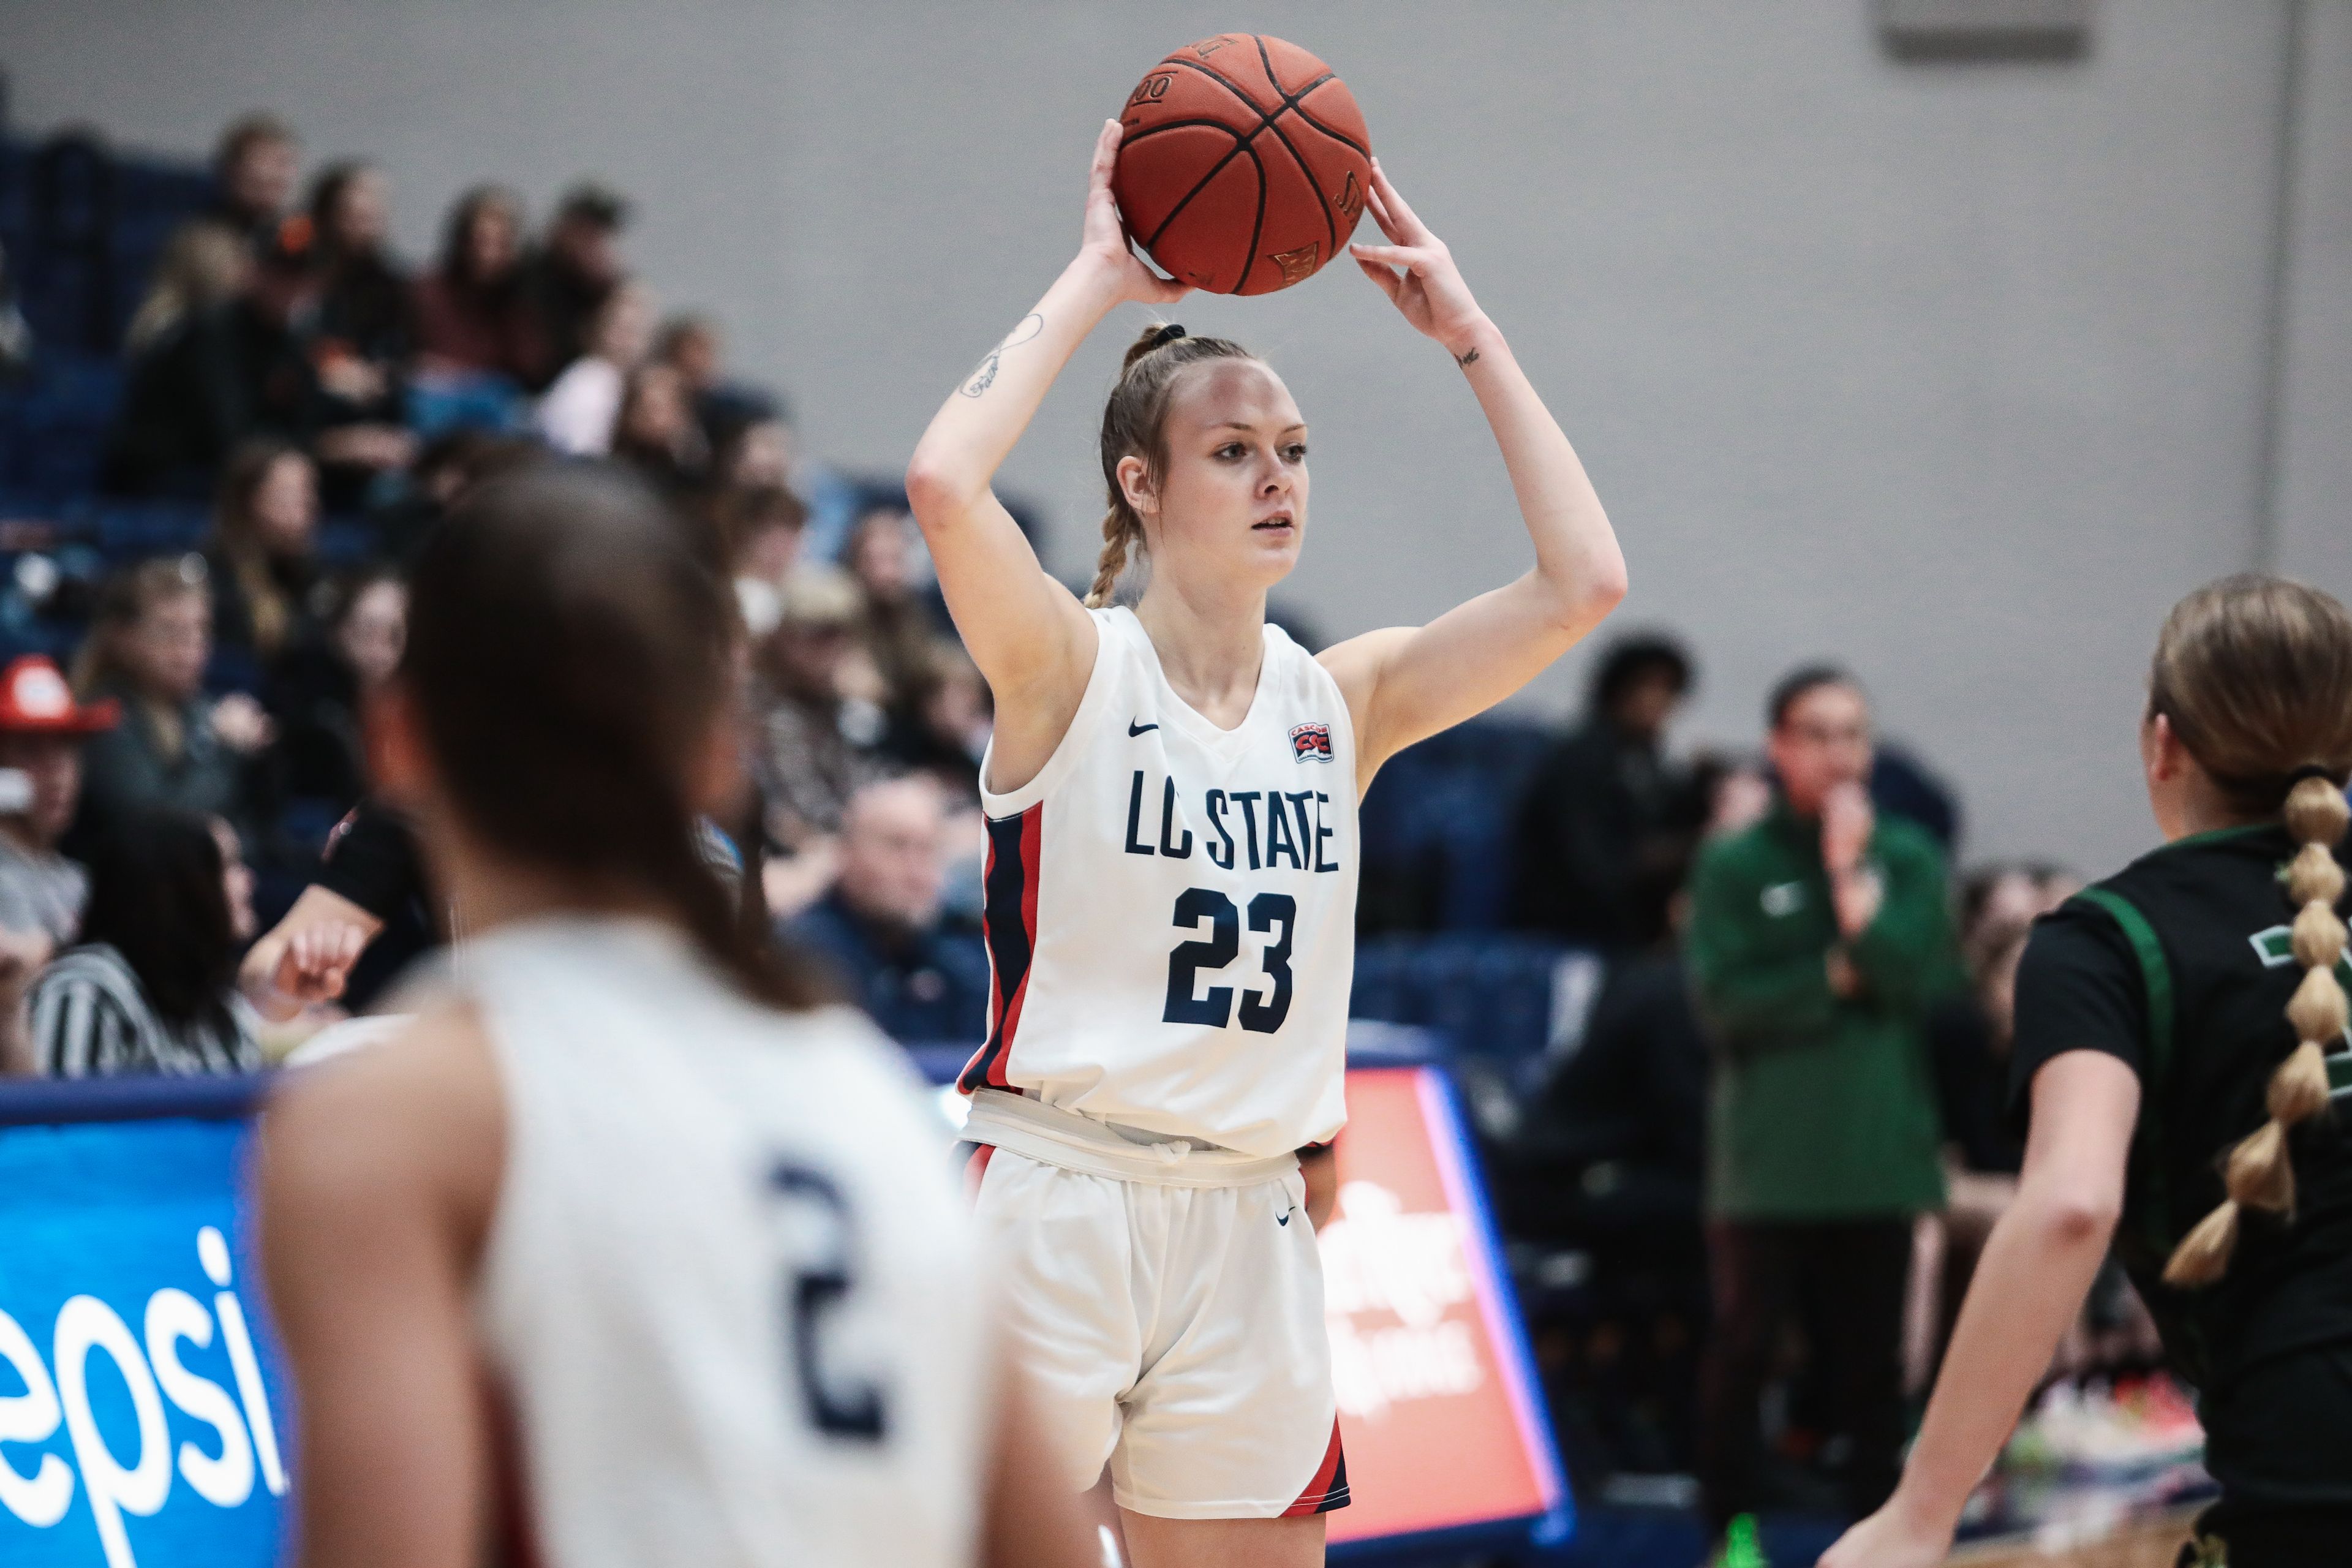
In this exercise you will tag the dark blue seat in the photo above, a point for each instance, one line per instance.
(133, 531)
(1490, 995)
(1439, 819)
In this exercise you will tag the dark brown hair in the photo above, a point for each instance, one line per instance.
(269, 609)
(158, 897)
(1134, 425)
(570, 658)
(2254, 676)
(458, 232)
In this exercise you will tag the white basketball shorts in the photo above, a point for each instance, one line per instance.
(1174, 1332)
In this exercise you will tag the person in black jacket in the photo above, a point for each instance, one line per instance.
(1607, 812)
(2180, 1033)
(199, 353)
(317, 689)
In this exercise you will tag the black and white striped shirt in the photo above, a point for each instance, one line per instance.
(91, 1018)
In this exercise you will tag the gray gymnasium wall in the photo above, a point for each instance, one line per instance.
(1957, 373)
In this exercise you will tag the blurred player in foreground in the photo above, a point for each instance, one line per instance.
(627, 1251)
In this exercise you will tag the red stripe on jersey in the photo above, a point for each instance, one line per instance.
(1328, 1489)
(1009, 927)
(976, 1169)
(1032, 822)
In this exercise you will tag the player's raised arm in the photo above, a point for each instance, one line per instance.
(1404, 684)
(1026, 632)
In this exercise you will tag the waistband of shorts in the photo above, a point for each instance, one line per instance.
(1053, 1136)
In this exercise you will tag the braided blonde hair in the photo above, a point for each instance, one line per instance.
(2254, 675)
(1134, 426)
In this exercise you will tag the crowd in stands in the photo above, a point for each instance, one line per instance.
(298, 406)
(319, 404)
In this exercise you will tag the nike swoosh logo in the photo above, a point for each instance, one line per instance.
(1281, 1219)
(1134, 728)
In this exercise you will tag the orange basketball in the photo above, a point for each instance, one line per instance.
(1244, 165)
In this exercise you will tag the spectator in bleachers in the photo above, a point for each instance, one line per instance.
(657, 434)
(575, 271)
(760, 526)
(1820, 937)
(945, 730)
(349, 318)
(262, 558)
(474, 314)
(1608, 812)
(1968, 1031)
(578, 413)
(42, 731)
(199, 352)
(355, 317)
(920, 976)
(896, 622)
(254, 170)
(152, 987)
(1609, 1161)
(147, 649)
(754, 452)
(693, 346)
(318, 690)
(819, 724)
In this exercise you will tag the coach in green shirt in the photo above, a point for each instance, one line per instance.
(1818, 938)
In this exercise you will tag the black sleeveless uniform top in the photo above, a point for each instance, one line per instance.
(2181, 967)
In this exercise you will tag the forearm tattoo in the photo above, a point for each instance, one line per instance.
(985, 376)
(1466, 360)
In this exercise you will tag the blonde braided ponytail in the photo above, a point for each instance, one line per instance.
(1122, 530)
(2245, 668)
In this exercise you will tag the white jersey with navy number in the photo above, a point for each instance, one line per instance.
(1171, 907)
(728, 1291)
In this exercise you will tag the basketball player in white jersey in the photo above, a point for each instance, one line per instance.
(627, 1253)
(1171, 892)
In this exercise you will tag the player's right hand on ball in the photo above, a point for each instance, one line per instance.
(1105, 235)
(316, 963)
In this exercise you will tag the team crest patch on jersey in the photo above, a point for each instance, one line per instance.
(1310, 743)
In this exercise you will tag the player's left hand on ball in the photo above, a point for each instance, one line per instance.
(1888, 1539)
(1417, 273)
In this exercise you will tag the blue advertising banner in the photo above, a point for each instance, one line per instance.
(143, 1414)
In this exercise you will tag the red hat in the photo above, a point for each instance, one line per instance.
(36, 700)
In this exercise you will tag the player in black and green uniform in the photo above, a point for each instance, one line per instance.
(2181, 1035)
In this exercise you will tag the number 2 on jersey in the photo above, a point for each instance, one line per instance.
(1261, 1016)
(818, 1283)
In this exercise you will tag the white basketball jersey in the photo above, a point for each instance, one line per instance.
(728, 1288)
(1171, 907)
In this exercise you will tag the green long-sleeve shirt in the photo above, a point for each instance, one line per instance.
(1821, 1107)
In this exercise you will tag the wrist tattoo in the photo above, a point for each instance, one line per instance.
(1466, 360)
(984, 376)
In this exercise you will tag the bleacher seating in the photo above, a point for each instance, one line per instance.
(83, 227)
(1437, 822)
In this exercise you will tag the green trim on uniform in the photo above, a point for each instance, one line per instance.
(2214, 835)
(2155, 974)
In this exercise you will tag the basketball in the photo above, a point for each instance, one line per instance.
(1244, 164)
